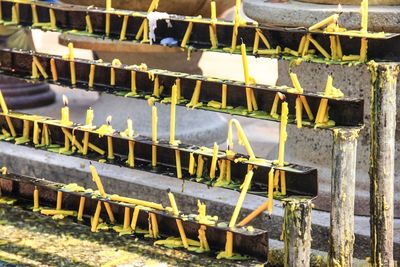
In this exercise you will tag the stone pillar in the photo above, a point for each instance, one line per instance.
(344, 155)
(383, 129)
(296, 231)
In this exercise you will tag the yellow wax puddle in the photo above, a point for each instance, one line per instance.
(197, 105)
(176, 242)
(64, 213)
(259, 161)
(235, 256)
(327, 124)
(105, 129)
(102, 160)
(73, 187)
(221, 183)
(7, 200)
(131, 94)
(121, 231)
(208, 220)
(214, 104)
(21, 140)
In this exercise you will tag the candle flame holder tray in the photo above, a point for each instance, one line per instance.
(300, 180)
(253, 243)
(344, 111)
(72, 18)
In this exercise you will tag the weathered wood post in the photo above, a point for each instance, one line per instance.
(296, 231)
(344, 156)
(383, 127)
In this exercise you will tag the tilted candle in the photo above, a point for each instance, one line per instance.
(3, 104)
(241, 136)
(172, 201)
(95, 221)
(245, 187)
(188, 32)
(82, 201)
(122, 35)
(328, 20)
(295, 82)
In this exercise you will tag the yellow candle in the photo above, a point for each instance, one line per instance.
(296, 83)
(339, 48)
(65, 112)
(1, 13)
(108, 24)
(319, 47)
(122, 35)
(3, 104)
(97, 180)
(263, 38)
(154, 122)
(14, 13)
(182, 233)
(110, 148)
(115, 63)
(36, 132)
(245, 187)
(229, 244)
(154, 225)
(135, 216)
(53, 20)
(40, 67)
(323, 107)
(127, 215)
(178, 89)
(91, 75)
(301, 45)
(96, 217)
(35, 18)
(145, 31)
(213, 36)
(200, 166)
(196, 94)
(136, 202)
(53, 69)
(26, 129)
(306, 46)
(81, 208)
(133, 82)
(71, 54)
(173, 114)
(35, 199)
(35, 74)
(191, 164)
(299, 113)
(213, 10)
(364, 15)
(214, 161)
(188, 32)
(307, 107)
(363, 49)
(59, 200)
(270, 190)
(172, 201)
(203, 239)
(245, 64)
(242, 137)
(224, 95)
(328, 20)
(96, 149)
(108, 4)
(46, 134)
(67, 143)
(178, 164)
(89, 27)
(283, 182)
(156, 87)
(333, 46)
(131, 155)
(248, 99)
(283, 133)
(256, 43)
(351, 58)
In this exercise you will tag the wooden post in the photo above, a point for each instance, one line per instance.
(344, 156)
(383, 128)
(296, 231)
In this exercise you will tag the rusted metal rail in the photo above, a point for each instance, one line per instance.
(300, 180)
(345, 111)
(253, 243)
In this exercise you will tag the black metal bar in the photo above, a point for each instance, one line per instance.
(72, 17)
(253, 243)
(344, 111)
(300, 180)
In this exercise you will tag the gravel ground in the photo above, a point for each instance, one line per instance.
(30, 239)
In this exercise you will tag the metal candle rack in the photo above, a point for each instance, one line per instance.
(346, 112)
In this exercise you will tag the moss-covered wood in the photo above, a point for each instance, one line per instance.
(343, 191)
(296, 231)
(383, 127)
